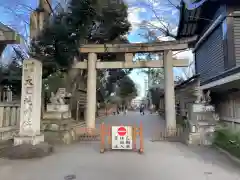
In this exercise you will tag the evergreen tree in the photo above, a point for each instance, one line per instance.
(85, 22)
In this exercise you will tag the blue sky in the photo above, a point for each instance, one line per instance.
(158, 13)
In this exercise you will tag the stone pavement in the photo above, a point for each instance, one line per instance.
(161, 160)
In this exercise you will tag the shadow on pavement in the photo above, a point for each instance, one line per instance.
(209, 155)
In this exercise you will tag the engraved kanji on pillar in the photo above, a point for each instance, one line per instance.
(31, 98)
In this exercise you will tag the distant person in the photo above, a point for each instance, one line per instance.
(125, 110)
(122, 108)
(98, 108)
(142, 107)
(118, 109)
(151, 108)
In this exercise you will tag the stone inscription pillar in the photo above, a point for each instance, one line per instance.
(30, 114)
(170, 112)
(91, 90)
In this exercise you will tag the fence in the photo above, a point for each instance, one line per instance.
(9, 120)
(169, 134)
(105, 112)
(229, 107)
(6, 95)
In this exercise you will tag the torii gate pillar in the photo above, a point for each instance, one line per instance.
(170, 112)
(91, 90)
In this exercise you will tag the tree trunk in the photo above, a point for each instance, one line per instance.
(74, 80)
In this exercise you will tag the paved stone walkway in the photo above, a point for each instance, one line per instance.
(161, 161)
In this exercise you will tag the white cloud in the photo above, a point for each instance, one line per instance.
(174, 12)
(165, 38)
(174, 31)
(134, 16)
(159, 24)
(186, 72)
(185, 55)
(154, 10)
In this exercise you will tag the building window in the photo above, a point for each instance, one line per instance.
(224, 29)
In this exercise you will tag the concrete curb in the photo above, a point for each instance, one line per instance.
(233, 158)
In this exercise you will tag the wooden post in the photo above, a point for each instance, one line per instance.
(102, 136)
(109, 137)
(141, 137)
(134, 133)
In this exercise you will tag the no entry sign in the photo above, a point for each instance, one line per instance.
(121, 137)
(122, 131)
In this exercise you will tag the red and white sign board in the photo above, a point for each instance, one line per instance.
(121, 137)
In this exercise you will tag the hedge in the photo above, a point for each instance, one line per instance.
(228, 140)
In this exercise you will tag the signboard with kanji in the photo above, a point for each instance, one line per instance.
(121, 137)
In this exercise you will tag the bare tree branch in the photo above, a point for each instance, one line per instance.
(165, 27)
(176, 6)
(14, 13)
(149, 25)
(155, 14)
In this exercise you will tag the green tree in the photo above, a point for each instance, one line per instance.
(11, 73)
(85, 21)
(126, 89)
(155, 75)
(155, 96)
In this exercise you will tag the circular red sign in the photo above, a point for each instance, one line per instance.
(122, 131)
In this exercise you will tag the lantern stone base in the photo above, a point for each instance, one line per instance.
(193, 139)
(27, 151)
(33, 140)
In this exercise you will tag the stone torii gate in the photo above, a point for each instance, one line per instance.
(92, 64)
(30, 131)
